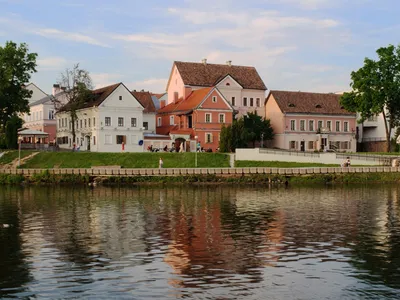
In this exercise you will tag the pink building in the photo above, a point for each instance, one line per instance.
(241, 86)
(310, 121)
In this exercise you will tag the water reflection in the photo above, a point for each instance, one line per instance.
(215, 242)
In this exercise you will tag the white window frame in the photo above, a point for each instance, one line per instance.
(233, 101)
(223, 118)
(293, 122)
(209, 135)
(346, 126)
(330, 129)
(105, 121)
(313, 125)
(105, 139)
(171, 120)
(304, 125)
(205, 118)
(322, 124)
(336, 127)
(251, 102)
(310, 143)
(121, 124)
(258, 102)
(133, 122)
(245, 104)
(159, 122)
(51, 114)
(214, 99)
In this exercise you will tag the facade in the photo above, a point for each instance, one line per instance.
(310, 121)
(37, 93)
(149, 112)
(110, 121)
(241, 86)
(201, 114)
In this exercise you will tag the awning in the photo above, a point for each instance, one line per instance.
(31, 132)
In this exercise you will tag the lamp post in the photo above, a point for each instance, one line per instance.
(262, 140)
(19, 150)
(195, 154)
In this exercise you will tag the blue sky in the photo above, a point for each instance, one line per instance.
(307, 45)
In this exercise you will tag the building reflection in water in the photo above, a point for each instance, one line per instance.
(200, 237)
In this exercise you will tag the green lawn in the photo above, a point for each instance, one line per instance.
(10, 155)
(126, 160)
(279, 164)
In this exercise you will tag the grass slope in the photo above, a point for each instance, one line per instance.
(48, 160)
(9, 156)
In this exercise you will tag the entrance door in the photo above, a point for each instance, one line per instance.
(303, 146)
(323, 143)
(88, 143)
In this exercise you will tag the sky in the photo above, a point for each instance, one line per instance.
(306, 45)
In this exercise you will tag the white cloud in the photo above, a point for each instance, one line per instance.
(51, 63)
(307, 4)
(104, 79)
(155, 85)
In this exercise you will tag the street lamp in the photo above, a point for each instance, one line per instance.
(19, 150)
(262, 140)
(195, 154)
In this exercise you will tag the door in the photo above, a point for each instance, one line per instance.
(302, 146)
(88, 143)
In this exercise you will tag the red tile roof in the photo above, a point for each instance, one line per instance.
(312, 103)
(145, 99)
(188, 104)
(200, 74)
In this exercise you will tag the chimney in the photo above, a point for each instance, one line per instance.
(186, 91)
(56, 89)
(162, 103)
(229, 63)
(204, 61)
(142, 90)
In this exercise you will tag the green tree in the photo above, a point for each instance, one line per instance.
(225, 139)
(376, 89)
(77, 85)
(11, 131)
(16, 66)
(257, 128)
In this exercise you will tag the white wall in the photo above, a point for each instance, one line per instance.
(150, 118)
(37, 94)
(324, 158)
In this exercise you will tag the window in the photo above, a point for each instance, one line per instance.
(81, 124)
(258, 102)
(251, 102)
(310, 145)
(120, 97)
(292, 145)
(76, 125)
(222, 118)
(292, 125)
(108, 139)
(107, 121)
(85, 123)
(302, 125)
(94, 121)
(338, 126)
(70, 124)
(89, 122)
(346, 126)
(233, 101)
(51, 114)
(159, 121)
(329, 125)
(209, 137)
(227, 84)
(120, 122)
(146, 125)
(121, 139)
(320, 124)
(214, 99)
(208, 118)
(133, 122)
(245, 101)
(171, 120)
(311, 125)
(94, 140)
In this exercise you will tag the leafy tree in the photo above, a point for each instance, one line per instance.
(376, 89)
(11, 136)
(257, 126)
(225, 139)
(16, 66)
(77, 86)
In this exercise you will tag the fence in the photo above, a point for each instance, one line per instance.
(290, 153)
(385, 160)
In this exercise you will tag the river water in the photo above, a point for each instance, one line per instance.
(190, 242)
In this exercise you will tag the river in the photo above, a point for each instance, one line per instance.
(188, 242)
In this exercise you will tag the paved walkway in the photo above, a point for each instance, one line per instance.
(232, 160)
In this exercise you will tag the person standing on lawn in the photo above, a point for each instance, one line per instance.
(160, 163)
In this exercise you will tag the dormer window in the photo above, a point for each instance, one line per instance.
(318, 106)
(291, 105)
(228, 84)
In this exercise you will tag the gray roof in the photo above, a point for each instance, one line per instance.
(41, 101)
(156, 102)
(30, 132)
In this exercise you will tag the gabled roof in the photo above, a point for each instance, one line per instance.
(313, 103)
(96, 97)
(146, 100)
(188, 104)
(205, 74)
(32, 84)
(44, 100)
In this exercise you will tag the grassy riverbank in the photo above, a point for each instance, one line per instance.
(11, 155)
(48, 160)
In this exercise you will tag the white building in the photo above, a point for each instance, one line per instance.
(242, 86)
(110, 121)
(37, 93)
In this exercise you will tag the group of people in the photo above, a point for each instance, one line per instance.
(346, 163)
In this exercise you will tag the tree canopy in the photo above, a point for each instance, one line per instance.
(376, 89)
(77, 85)
(16, 66)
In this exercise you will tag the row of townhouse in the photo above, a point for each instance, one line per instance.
(199, 99)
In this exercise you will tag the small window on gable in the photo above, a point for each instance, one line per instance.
(214, 99)
(318, 106)
(291, 105)
(120, 97)
(228, 84)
